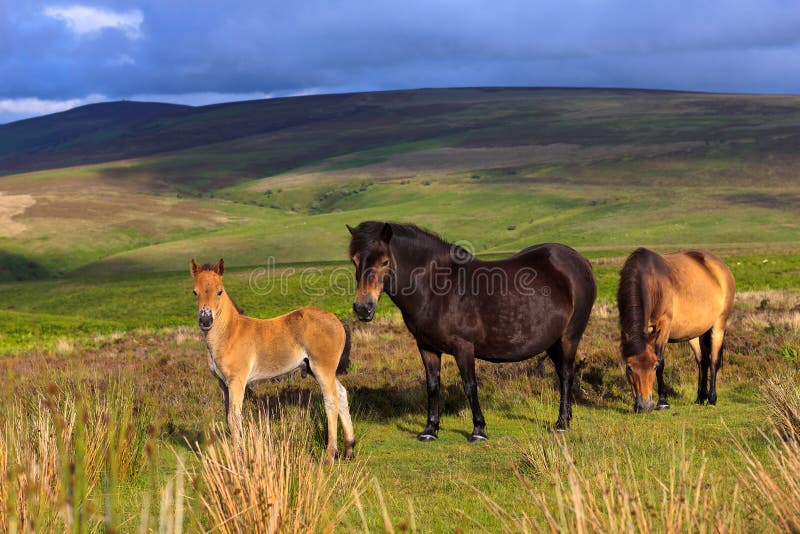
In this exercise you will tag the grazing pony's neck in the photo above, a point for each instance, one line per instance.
(634, 306)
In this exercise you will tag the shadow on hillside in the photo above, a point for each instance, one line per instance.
(16, 267)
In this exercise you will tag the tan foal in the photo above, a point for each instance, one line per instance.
(243, 350)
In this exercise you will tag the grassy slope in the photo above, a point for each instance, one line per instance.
(502, 167)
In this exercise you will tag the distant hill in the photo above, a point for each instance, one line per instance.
(86, 134)
(227, 143)
(134, 187)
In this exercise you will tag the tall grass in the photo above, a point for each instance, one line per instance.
(775, 483)
(781, 394)
(615, 501)
(56, 450)
(274, 483)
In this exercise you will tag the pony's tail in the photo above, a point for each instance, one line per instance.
(344, 359)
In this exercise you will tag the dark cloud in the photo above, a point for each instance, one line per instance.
(257, 47)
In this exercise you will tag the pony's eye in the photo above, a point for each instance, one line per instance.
(385, 263)
(194, 292)
(628, 368)
(219, 292)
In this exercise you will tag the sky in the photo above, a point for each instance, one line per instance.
(58, 55)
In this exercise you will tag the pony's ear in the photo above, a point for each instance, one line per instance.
(351, 230)
(194, 268)
(219, 268)
(386, 233)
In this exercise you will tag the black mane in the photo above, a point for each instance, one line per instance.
(632, 305)
(369, 231)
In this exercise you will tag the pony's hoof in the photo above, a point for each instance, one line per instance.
(561, 426)
(474, 438)
(662, 406)
(427, 437)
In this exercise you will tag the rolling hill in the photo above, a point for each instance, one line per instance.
(131, 187)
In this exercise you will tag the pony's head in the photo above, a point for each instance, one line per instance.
(369, 252)
(208, 289)
(641, 372)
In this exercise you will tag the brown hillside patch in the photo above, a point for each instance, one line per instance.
(10, 207)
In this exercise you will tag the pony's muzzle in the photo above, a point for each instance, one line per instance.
(205, 318)
(641, 405)
(364, 310)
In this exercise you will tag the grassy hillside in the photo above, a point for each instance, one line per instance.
(502, 168)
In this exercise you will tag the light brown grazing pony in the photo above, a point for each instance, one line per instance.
(683, 296)
(243, 350)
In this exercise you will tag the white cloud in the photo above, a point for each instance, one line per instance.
(88, 21)
(29, 107)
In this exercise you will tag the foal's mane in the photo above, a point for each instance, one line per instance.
(632, 306)
(417, 239)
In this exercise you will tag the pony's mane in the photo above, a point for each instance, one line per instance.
(369, 231)
(630, 300)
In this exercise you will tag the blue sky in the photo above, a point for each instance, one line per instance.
(56, 55)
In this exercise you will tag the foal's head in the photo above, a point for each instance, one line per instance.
(208, 289)
(369, 252)
(641, 372)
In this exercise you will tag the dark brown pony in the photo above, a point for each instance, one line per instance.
(684, 296)
(499, 311)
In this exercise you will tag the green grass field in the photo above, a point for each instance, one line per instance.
(97, 310)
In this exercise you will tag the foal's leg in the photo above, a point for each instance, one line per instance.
(347, 423)
(433, 364)
(715, 358)
(330, 399)
(466, 365)
(224, 389)
(235, 400)
(562, 353)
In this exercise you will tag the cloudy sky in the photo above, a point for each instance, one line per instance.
(56, 55)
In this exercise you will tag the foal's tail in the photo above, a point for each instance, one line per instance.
(344, 359)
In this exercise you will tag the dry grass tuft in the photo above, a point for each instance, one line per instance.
(54, 454)
(604, 309)
(64, 346)
(781, 394)
(184, 334)
(776, 483)
(274, 483)
(614, 501)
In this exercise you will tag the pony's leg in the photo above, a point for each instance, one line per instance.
(433, 364)
(715, 359)
(698, 346)
(662, 403)
(330, 399)
(235, 400)
(562, 353)
(466, 365)
(347, 423)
